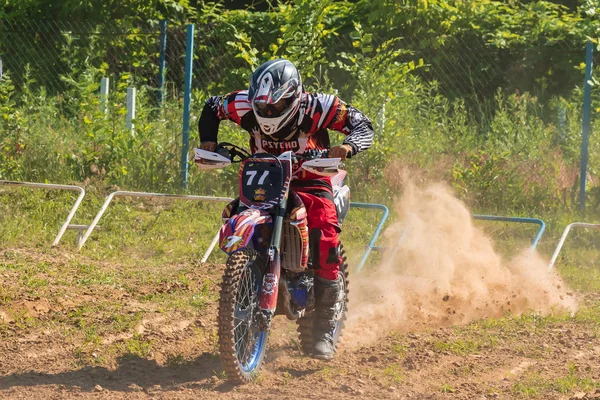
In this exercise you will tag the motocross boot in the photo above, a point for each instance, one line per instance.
(329, 297)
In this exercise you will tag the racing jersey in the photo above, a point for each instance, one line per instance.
(318, 113)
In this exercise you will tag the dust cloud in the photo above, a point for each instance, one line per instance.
(445, 272)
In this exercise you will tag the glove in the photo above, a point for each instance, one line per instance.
(344, 151)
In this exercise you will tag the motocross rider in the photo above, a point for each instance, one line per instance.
(281, 116)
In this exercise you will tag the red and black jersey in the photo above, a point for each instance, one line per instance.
(318, 113)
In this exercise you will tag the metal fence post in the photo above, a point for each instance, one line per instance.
(187, 100)
(162, 62)
(104, 83)
(130, 108)
(585, 129)
(381, 118)
(562, 120)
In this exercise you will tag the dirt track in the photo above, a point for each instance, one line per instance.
(404, 366)
(68, 341)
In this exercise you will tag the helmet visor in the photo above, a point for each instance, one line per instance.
(273, 110)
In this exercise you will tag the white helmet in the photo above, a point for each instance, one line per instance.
(274, 91)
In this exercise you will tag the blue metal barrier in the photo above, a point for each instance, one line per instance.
(187, 101)
(162, 61)
(539, 222)
(585, 125)
(371, 246)
(385, 215)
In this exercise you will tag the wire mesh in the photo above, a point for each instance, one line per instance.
(48, 53)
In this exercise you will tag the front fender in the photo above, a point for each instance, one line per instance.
(237, 233)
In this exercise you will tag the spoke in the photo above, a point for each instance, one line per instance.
(243, 336)
(236, 336)
(244, 312)
(249, 346)
(244, 322)
(239, 319)
(247, 287)
(237, 346)
(252, 342)
(243, 359)
(245, 346)
(243, 291)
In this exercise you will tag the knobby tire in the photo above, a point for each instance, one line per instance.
(249, 261)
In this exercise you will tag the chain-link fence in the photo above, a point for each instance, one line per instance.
(48, 54)
(45, 53)
(461, 67)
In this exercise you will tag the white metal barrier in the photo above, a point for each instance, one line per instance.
(564, 237)
(51, 186)
(120, 193)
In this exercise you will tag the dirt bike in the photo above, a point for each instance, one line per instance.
(268, 270)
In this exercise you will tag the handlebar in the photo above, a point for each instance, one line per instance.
(238, 154)
(312, 154)
(232, 151)
(315, 161)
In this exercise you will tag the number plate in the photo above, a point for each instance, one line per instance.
(261, 182)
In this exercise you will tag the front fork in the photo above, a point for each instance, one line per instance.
(270, 287)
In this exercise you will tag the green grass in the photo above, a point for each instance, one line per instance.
(136, 231)
(136, 346)
(533, 384)
(121, 322)
(394, 372)
(459, 347)
(446, 388)
(328, 373)
(175, 359)
(462, 371)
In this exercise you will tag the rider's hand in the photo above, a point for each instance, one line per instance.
(208, 146)
(342, 151)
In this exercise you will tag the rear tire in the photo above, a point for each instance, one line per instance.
(305, 324)
(242, 345)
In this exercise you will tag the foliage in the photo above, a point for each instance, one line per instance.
(402, 63)
(98, 11)
(9, 122)
(307, 26)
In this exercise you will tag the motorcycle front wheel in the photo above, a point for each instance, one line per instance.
(242, 343)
